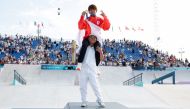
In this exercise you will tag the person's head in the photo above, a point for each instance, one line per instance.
(92, 39)
(92, 9)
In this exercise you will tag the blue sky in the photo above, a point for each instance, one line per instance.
(18, 16)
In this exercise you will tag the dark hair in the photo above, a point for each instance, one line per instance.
(92, 6)
(93, 36)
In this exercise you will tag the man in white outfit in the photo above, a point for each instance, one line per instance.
(88, 73)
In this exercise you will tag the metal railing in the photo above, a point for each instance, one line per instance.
(19, 78)
(160, 79)
(133, 80)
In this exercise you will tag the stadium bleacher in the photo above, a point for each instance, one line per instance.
(20, 49)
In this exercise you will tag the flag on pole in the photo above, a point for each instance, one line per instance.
(119, 29)
(158, 38)
(35, 23)
(42, 24)
(126, 28)
(140, 29)
(133, 29)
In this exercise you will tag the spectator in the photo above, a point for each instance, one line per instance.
(21, 49)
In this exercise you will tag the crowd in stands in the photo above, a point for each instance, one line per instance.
(138, 55)
(34, 50)
(20, 49)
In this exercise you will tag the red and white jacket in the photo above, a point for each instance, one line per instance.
(93, 26)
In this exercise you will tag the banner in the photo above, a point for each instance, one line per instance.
(58, 67)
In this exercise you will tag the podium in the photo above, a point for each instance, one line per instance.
(94, 105)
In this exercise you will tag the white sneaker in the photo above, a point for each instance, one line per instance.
(84, 104)
(79, 66)
(101, 104)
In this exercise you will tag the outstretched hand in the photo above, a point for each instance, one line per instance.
(102, 13)
(84, 13)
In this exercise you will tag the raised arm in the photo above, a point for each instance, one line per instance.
(105, 24)
(82, 23)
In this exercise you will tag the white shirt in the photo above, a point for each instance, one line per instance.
(89, 59)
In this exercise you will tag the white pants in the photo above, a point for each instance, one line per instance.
(89, 75)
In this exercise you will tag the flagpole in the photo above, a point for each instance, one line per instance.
(39, 25)
(38, 30)
(181, 52)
